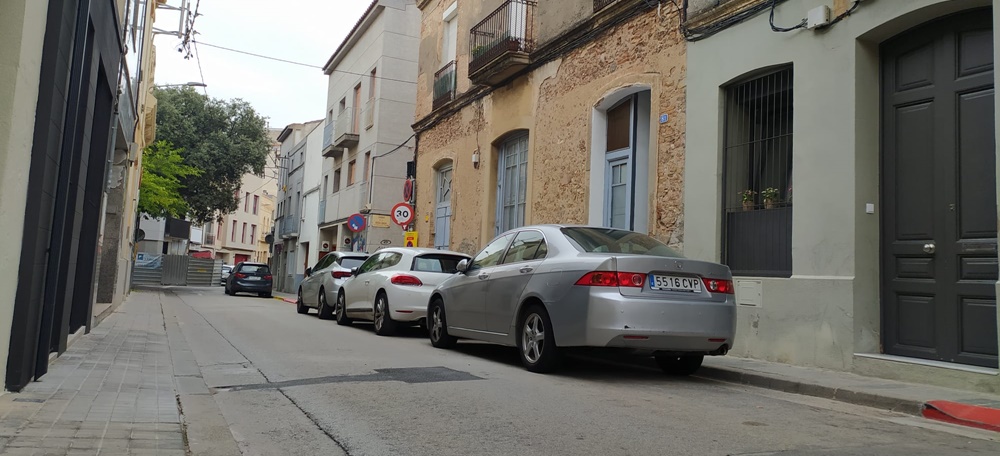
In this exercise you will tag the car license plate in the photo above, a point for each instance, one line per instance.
(675, 283)
(253, 278)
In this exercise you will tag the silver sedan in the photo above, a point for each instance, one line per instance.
(546, 288)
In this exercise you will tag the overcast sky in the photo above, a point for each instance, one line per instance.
(306, 31)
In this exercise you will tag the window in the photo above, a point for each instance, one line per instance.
(351, 262)
(512, 182)
(389, 260)
(246, 203)
(447, 264)
(355, 110)
(449, 41)
(256, 202)
(342, 106)
(757, 167)
(527, 246)
(490, 256)
(350, 173)
(326, 189)
(254, 269)
(368, 164)
(371, 264)
(336, 181)
(618, 175)
(371, 83)
(218, 232)
(253, 233)
(324, 263)
(233, 236)
(610, 240)
(243, 238)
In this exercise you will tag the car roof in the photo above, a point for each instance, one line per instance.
(419, 251)
(253, 264)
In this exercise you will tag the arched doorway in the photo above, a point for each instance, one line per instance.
(939, 222)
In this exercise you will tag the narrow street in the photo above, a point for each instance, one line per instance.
(294, 384)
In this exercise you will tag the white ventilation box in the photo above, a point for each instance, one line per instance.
(818, 17)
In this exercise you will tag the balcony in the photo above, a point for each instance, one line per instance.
(328, 148)
(345, 133)
(444, 85)
(502, 42)
(289, 227)
(601, 4)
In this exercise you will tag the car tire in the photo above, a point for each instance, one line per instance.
(382, 316)
(227, 291)
(536, 342)
(300, 306)
(340, 312)
(324, 312)
(437, 327)
(679, 365)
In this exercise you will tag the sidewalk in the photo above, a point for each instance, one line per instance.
(979, 410)
(110, 393)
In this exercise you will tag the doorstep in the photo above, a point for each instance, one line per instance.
(981, 410)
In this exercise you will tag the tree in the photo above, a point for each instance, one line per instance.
(223, 139)
(160, 187)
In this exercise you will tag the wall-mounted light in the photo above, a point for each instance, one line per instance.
(475, 159)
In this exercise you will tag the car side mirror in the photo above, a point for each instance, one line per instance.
(354, 272)
(462, 266)
(309, 272)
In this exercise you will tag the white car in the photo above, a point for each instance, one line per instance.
(323, 281)
(393, 286)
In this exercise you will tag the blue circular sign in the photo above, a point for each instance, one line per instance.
(356, 222)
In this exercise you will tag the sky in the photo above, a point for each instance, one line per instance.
(306, 31)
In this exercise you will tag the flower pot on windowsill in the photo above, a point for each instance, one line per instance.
(768, 204)
(748, 205)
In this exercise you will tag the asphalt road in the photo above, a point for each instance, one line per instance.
(293, 384)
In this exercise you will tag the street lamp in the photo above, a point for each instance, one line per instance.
(186, 84)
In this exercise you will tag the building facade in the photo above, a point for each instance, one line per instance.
(300, 167)
(70, 98)
(526, 128)
(237, 235)
(884, 124)
(366, 134)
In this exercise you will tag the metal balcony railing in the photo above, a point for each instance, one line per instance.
(600, 4)
(510, 28)
(444, 85)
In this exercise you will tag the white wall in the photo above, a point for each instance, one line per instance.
(22, 28)
(829, 309)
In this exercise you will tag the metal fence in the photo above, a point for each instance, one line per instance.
(177, 270)
(510, 28)
(444, 85)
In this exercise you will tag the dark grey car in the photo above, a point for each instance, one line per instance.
(250, 278)
(547, 287)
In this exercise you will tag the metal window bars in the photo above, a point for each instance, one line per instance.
(444, 85)
(509, 28)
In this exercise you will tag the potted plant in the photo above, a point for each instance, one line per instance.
(747, 196)
(770, 196)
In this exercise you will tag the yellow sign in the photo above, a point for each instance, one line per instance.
(410, 239)
(381, 221)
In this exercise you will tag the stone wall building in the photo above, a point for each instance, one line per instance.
(548, 112)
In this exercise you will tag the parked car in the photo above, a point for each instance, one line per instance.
(250, 278)
(226, 270)
(323, 282)
(546, 288)
(392, 287)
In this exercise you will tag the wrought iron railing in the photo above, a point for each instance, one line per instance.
(600, 4)
(510, 28)
(444, 84)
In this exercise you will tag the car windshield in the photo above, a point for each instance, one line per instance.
(437, 263)
(352, 262)
(609, 240)
(255, 269)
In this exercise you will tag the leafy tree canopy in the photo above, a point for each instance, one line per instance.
(223, 139)
(163, 169)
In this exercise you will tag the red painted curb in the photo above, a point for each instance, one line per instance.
(288, 300)
(964, 414)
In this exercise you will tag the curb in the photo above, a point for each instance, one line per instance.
(895, 404)
(288, 300)
(963, 414)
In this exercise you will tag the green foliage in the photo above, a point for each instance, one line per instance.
(163, 169)
(747, 195)
(224, 139)
(770, 193)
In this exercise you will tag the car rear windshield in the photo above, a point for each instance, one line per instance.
(352, 262)
(255, 269)
(437, 263)
(609, 240)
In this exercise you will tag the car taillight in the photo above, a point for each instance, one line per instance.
(719, 286)
(240, 275)
(340, 274)
(612, 279)
(268, 277)
(405, 279)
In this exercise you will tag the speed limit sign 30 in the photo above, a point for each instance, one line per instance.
(402, 214)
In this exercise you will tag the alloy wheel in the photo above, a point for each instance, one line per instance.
(436, 325)
(379, 312)
(533, 338)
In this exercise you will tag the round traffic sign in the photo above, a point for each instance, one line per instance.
(402, 214)
(356, 222)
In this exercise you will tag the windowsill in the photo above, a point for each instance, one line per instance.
(930, 363)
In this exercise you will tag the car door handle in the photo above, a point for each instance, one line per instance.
(484, 276)
(367, 282)
(527, 269)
